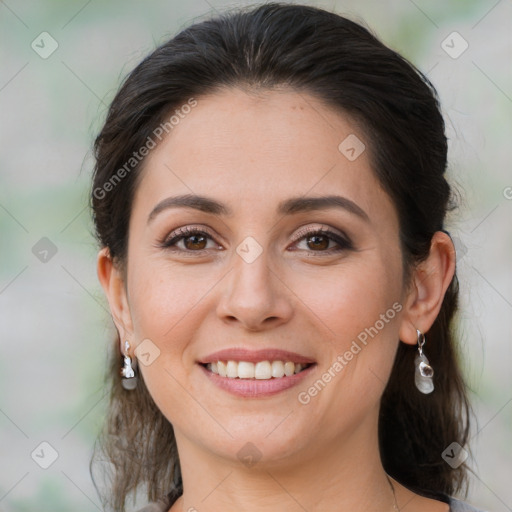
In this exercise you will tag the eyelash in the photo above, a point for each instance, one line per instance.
(343, 242)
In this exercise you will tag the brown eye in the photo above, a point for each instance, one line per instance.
(318, 242)
(195, 242)
(192, 239)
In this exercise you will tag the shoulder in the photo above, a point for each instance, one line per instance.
(461, 506)
(154, 507)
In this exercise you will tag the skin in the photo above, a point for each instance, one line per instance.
(251, 151)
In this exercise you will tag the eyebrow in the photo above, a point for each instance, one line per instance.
(287, 207)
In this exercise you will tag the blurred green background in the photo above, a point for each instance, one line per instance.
(54, 320)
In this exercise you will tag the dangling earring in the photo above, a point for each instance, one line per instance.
(129, 379)
(424, 373)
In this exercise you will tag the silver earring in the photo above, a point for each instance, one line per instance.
(424, 373)
(129, 379)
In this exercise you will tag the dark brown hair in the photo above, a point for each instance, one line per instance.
(341, 63)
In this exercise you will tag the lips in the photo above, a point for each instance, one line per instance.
(255, 373)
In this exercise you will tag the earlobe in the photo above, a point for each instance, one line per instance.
(430, 281)
(113, 286)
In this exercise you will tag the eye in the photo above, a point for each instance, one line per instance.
(318, 240)
(194, 240)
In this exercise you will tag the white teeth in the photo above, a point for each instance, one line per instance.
(277, 369)
(232, 369)
(289, 368)
(221, 368)
(245, 370)
(262, 370)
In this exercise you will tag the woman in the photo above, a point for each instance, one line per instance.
(269, 197)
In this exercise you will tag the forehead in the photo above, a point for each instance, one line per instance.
(252, 150)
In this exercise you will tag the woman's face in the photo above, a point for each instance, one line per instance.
(257, 280)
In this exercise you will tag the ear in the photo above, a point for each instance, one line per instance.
(429, 283)
(114, 286)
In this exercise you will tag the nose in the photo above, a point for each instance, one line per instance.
(255, 297)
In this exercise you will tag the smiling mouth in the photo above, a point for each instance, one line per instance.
(261, 370)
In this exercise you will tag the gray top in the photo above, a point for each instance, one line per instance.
(459, 506)
(455, 506)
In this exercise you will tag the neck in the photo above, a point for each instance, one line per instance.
(346, 474)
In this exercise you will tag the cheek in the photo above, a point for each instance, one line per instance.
(359, 310)
(351, 297)
(163, 297)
